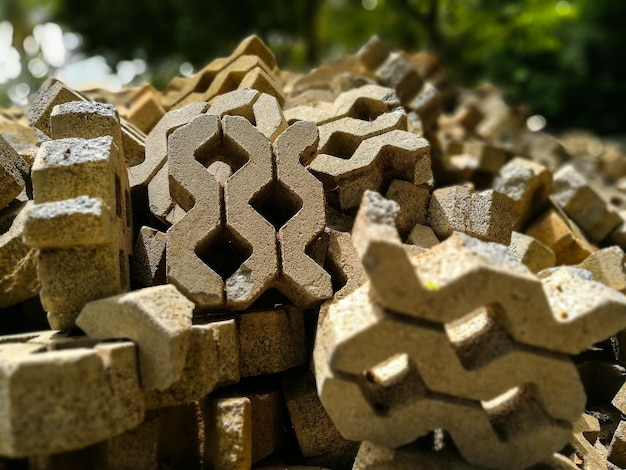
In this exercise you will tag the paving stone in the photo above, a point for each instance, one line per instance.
(228, 424)
(18, 265)
(484, 158)
(528, 184)
(561, 235)
(583, 204)
(607, 266)
(530, 251)
(76, 182)
(422, 236)
(147, 265)
(157, 318)
(146, 110)
(617, 449)
(270, 341)
(487, 215)
(52, 386)
(226, 338)
(14, 173)
(413, 201)
(267, 422)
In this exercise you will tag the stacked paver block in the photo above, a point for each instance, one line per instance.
(81, 221)
(446, 366)
(14, 173)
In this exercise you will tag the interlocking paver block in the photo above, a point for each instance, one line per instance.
(463, 333)
(617, 450)
(581, 202)
(53, 92)
(270, 341)
(157, 318)
(483, 157)
(147, 265)
(51, 386)
(555, 230)
(582, 440)
(530, 251)
(413, 201)
(608, 267)
(268, 419)
(528, 184)
(181, 87)
(146, 110)
(422, 236)
(14, 173)
(82, 240)
(18, 265)
(487, 215)
(375, 162)
(228, 427)
(300, 275)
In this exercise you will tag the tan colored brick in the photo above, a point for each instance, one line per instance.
(528, 184)
(96, 389)
(267, 422)
(18, 266)
(14, 173)
(422, 236)
(530, 251)
(617, 449)
(583, 204)
(487, 215)
(157, 318)
(228, 423)
(270, 341)
(561, 235)
(413, 201)
(608, 267)
(146, 110)
(147, 265)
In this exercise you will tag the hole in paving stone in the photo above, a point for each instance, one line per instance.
(276, 203)
(209, 154)
(480, 337)
(269, 300)
(224, 252)
(341, 145)
(391, 383)
(367, 109)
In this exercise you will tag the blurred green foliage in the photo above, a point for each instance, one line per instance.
(560, 58)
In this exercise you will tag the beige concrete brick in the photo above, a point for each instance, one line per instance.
(303, 280)
(583, 204)
(608, 267)
(228, 424)
(270, 341)
(531, 252)
(157, 318)
(52, 385)
(146, 110)
(619, 400)
(317, 435)
(413, 201)
(375, 162)
(487, 215)
(585, 433)
(226, 338)
(21, 137)
(528, 184)
(14, 173)
(422, 236)
(199, 374)
(135, 448)
(617, 449)
(267, 422)
(181, 88)
(53, 92)
(483, 157)
(147, 265)
(561, 235)
(18, 266)
(72, 274)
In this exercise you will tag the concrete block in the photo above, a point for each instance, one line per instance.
(561, 235)
(18, 264)
(228, 426)
(583, 204)
(267, 422)
(270, 341)
(608, 267)
(617, 449)
(531, 252)
(528, 184)
(226, 338)
(135, 448)
(157, 318)
(422, 236)
(413, 201)
(51, 385)
(487, 215)
(147, 265)
(485, 158)
(14, 173)
(146, 110)
(317, 435)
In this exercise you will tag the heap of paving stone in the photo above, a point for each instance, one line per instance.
(359, 267)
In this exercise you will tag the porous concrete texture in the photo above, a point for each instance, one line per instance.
(95, 389)
(18, 264)
(608, 267)
(146, 110)
(14, 173)
(413, 201)
(531, 252)
(228, 427)
(422, 236)
(528, 184)
(158, 319)
(575, 195)
(147, 265)
(267, 415)
(270, 341)
(486, 214)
